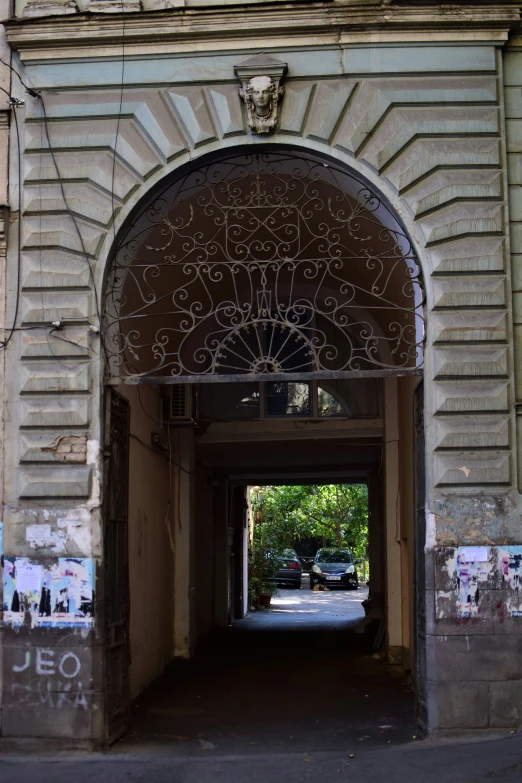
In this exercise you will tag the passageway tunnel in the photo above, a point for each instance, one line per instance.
(224, 675)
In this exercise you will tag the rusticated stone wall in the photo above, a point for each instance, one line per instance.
(425, 124)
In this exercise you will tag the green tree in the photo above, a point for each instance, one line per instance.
(337, 513)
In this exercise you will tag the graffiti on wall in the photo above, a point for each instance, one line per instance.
(60, 595)
(52, 677)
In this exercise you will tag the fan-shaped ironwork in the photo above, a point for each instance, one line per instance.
(267, 264)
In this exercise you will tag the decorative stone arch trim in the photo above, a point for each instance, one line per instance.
(432, 147)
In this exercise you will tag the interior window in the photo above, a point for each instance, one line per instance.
(229, 400)
(285, 398)
(350, 397)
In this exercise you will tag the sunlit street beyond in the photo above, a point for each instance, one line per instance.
(304, 608)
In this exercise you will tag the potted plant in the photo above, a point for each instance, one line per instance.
(263, 567)
(266, 590)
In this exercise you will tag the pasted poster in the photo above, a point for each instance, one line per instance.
(56, 596)
(510, 568)
(468, 567)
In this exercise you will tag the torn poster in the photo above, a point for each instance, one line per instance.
(56, 596)
(510, 568)
(468, 567)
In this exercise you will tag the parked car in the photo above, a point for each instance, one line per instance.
(290, 571)
(335, 568)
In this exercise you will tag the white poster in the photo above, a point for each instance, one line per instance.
(28, 578)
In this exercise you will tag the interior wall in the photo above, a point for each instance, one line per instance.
(406, 389)
(204, 546)
(151, 563)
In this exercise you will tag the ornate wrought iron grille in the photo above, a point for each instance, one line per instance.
(265, 264)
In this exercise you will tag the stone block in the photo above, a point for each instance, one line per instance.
(454, 705)
(190, 109)
(505, 704)
(473, 658)
(442, 187)
(330, 101)
(224, 101)
(442, 619)
(70, 714)
(45, 307)
(470, 361)
(54, 269)
(40, 344)
(53, 447)
(66, 481)
(58, 231)
(470, 397)
(294, 108)
(462, 218)
(404, 123)
(31, 663)
(54, 376)
(425, 155)
(55, 411)
(469, 326)
(471, 468)
(469, 254)
(472, 291)
(462, 432)
(514, 166)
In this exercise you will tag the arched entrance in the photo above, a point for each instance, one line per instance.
(287, 277)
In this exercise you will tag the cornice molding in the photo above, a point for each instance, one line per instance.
(258, 25)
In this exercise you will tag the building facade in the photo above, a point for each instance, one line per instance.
(111, 107)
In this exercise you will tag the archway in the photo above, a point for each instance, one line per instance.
(288, 276)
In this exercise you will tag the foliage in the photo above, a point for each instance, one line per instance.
(337, 513)
(265, 553)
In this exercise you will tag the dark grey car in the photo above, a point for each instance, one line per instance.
(335, 568)
(290, 570)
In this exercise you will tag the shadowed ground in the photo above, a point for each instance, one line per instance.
(292, 678)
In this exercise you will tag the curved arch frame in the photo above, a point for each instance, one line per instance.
(228, 152)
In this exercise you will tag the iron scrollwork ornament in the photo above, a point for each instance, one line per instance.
(267, 265)
(261, 91)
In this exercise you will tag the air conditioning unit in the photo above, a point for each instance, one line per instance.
(178, 405)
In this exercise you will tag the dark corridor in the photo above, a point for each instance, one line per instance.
(303, 683)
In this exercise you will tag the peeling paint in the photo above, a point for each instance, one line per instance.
(468, 567)
(510, 567)
(41, 536)
(431, 537)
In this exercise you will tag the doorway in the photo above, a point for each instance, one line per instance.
(265, 322)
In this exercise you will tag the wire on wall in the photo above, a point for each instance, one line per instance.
(122, 83)
(13, 102)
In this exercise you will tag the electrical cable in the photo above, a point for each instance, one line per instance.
(36, 94)
(122, 83)
(143, 407)
(12, 330)
(7, 65)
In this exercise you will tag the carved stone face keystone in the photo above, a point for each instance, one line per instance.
(261, 92)
(262, 89)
